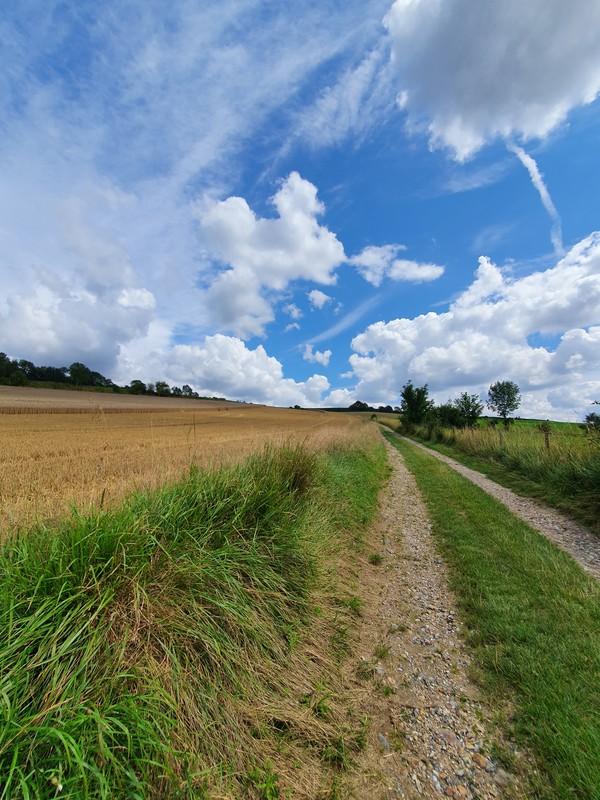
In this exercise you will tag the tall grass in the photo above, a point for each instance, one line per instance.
(132, 640)
(568, 470)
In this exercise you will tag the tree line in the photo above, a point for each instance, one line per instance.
(19, 372)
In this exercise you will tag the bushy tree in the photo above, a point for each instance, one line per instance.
(415, 403)
(80, 375)
(137, 387)
(448, 416)
(162, 388)
(469, 406)
(504, 397)
(592, 421)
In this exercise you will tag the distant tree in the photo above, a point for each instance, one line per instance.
(28, 368)
(80, 375)
(177, 391)
(186, 390)
(415, 403)
(592, 421)
(470, 407)
(162, 388)
(358, 405)
(7, 366)
(137, 387)
(448, 416)
(504, 397)
(18, 378)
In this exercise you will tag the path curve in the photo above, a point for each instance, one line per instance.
(580, 543)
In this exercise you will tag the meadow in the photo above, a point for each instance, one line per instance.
(562, 468)
(56, 457)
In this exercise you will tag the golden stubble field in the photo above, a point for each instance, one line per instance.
(53, 458)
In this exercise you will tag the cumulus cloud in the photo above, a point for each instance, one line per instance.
(221, 365)
(487, 334)
(292, 310)
(318, 299)
(375, 263)
(471, 72)
(316, 356)
(266, 254)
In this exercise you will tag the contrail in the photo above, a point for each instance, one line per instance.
(538, 181)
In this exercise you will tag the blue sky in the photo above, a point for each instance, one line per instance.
(306, 204)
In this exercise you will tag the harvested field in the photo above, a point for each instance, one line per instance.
(20, 399)
(50, 462)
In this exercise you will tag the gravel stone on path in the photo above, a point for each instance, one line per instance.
(429, 732)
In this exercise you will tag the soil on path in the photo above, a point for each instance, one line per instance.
(430, 734)
(567, 534)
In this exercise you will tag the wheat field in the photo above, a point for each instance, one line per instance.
(90, 457)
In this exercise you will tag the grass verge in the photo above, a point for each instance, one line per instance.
(534, 618)
(156, 650)
(582, 504)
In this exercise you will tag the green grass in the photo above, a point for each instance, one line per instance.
(534, 618)
(132, 638)
(566, 476)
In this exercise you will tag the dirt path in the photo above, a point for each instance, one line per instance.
(567, 534)
(429, 734)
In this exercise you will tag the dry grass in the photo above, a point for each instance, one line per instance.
(50, 462)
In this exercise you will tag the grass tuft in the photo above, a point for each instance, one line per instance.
(135, 640)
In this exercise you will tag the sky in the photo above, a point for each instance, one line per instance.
(306, 203)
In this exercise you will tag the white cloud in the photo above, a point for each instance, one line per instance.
(222, 366)
(267, 253)
(293, 326)
(292, 310)
(537, 180)
(472, 72)
(486, 335)
(136, 298)
(378, 262)
(318, 299)
(363, 93)
(101, 164)
(316, 356)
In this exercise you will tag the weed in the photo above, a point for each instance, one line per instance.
(376, 559)
(353, 604)
(265, 782)
(381, 652)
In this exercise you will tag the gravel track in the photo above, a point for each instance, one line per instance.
(580, 543)
(430, 731)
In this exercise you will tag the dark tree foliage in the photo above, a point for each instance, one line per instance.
(415, 403)
(592, 421)
(504, 397)
(136, 387)
(23, 372)
(448, 416)
(469, 406)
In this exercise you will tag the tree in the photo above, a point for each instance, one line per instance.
(162, 388)
(415, 403)
(80, 374)
(469, 407)
(592, 421)
(448, 416)
(137, 387)
(187, 390)
(504, 397)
